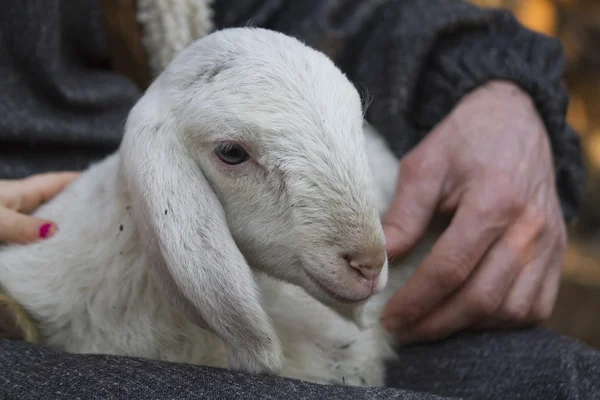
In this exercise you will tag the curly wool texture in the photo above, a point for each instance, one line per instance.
(169, 26)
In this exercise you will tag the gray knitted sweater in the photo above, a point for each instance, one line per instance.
(62, 107)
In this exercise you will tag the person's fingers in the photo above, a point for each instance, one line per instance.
(20, 228)
(485, 291)
(25, 195)
(418, 193)
(546, 301)
(543, 293)
(451, 262)
(520, 304)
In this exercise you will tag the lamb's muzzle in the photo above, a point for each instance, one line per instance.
(368, 263)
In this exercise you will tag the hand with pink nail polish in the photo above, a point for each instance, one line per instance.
(20, 197)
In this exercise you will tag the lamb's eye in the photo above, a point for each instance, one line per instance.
(231, 153)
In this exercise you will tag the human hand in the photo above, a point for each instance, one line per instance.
(498, 264)
(23, 196)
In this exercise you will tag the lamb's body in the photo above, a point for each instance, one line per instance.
(110, 304)
(91, 287)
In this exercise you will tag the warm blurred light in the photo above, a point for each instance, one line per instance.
(538, 15)
(489, 3)
(577, 115)
(572, 45)
(580, 266)
(593, 147)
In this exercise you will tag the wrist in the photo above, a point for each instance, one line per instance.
(503, 88)
(506, 93)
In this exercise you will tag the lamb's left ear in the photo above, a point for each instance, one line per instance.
(191, 251)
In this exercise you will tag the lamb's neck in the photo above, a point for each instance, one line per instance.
(384, 167)
(97, 230)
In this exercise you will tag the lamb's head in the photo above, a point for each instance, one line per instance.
(275, 129)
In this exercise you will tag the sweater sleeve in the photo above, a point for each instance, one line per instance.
(504, 50)
(413, 60)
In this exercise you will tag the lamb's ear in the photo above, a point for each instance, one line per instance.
(184, 232)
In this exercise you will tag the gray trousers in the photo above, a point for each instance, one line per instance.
(525, 364)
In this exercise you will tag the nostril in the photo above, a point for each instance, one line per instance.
(366, 269)
(367, 272)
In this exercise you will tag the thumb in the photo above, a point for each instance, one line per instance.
(21, 228)
(418, 194)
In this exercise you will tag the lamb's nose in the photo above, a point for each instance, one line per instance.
(368, 263)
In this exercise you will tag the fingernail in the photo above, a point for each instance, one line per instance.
(47, 230)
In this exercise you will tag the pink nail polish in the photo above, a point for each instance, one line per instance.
(46, 230)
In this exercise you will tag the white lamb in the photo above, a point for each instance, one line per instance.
(237, 226)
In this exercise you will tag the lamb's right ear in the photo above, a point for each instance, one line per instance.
(184, 232)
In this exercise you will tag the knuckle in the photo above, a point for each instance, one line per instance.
(517, 311)
(453, 273)
(521, 246)
(507, 195)
(487, 302)
(537, 217)
(502, 201)
(491, 216)
(11, 202)
(516, 244)
(419, 164)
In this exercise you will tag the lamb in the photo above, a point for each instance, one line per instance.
(237, 226)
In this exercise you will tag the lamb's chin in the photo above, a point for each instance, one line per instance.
(353, 312)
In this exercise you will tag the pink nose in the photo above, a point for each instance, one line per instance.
(368, 264)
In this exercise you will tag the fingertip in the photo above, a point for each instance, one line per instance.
(34, 230)
(69, 176)
(395, 244)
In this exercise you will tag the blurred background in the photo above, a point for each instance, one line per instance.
(577, 24)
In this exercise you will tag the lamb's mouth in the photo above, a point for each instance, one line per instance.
(332, 294)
